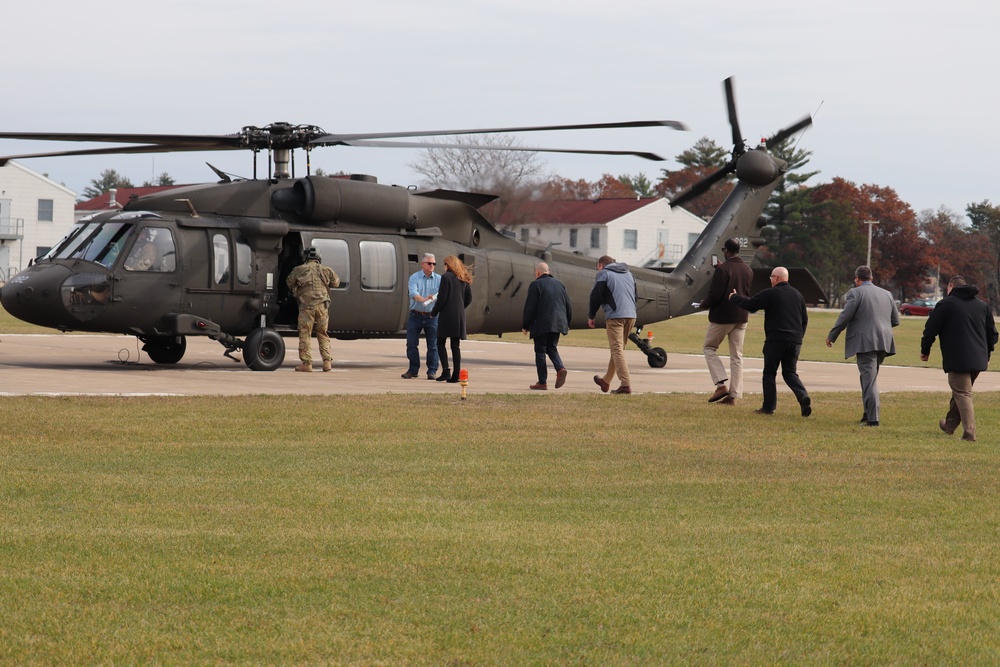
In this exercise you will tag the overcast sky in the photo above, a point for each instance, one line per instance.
(905, 94)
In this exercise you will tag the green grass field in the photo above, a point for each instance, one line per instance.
(503, 530)
(506, 530)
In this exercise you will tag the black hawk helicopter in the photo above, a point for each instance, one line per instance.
(211, 259)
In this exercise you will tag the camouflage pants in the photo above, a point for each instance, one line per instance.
(314, 319)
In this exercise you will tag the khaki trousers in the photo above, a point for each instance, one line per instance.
(960, 408)
(736, 332)
(618, 330)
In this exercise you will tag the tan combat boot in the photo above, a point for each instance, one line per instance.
(327, 366)
(304, 368)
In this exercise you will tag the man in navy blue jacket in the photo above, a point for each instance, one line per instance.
(785, 322)
(968, 336)
(547, 314)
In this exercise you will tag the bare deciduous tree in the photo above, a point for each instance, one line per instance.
(512, 175)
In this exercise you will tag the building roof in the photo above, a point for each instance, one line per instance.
(573, 211)
(122, 195)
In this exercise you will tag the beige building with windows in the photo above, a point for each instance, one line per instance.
(639, 231)
(35, 212)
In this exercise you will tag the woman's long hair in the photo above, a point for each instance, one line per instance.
(456, 266)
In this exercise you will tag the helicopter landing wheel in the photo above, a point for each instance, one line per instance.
(165, 349)
(264, 350)
(657, 357)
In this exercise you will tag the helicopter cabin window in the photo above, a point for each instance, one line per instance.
(378, 265)
(335, 255)
(525, 234)
(220, 259)
(631, 241)
(154, 250)
(572, 238)
(244, 261)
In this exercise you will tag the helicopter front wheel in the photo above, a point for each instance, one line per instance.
(165, 349)
(264, 350)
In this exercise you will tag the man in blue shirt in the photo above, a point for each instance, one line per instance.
(423, 287)
(614, 291)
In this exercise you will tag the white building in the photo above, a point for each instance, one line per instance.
(637, 231)
(35, 212)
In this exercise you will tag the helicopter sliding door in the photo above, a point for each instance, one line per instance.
(372, 297)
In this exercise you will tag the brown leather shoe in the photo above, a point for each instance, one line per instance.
(539, 386)
(720, 393)
(944, 427)
(304, 368)
(728, 400)
(622, 390)
(327, 366)
(601, 383)
(561, 377)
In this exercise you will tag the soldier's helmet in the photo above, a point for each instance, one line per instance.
(312, 253)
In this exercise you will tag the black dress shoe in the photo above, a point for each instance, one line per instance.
(762, 411)
(871, 423)
(445, 376)
(806, 406)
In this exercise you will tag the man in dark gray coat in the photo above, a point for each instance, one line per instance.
(547, 314)
(869, 315)
(968, 336)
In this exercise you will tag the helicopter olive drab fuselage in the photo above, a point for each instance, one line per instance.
(212, 260)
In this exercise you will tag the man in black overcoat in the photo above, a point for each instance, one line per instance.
(547, 314)
(968, 336)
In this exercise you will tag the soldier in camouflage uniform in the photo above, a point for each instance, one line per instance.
(310, 283)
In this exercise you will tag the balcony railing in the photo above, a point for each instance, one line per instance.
(11, 229)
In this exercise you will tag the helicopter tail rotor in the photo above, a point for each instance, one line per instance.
(739, 149)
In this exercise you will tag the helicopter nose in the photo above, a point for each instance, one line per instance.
(33, 295)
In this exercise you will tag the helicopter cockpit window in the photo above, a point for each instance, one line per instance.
(378, 265)
(93, 242)
(154, 250)
(335, 254)
(244, 262)
(220, 261)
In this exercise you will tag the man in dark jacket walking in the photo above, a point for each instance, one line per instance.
(547, 314)
(785, 322)
(968, 336)
(726, 320)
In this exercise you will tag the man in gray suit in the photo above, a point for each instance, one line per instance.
(869, 315)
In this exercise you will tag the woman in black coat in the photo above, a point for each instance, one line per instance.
(453, 298)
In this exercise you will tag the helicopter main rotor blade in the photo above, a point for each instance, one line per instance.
(116, 150)
(335, 139)
(734, 122)
(702, 186)
(781, 135)
(203, 141)
(423, 144)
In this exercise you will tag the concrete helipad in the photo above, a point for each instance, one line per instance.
(71, 364)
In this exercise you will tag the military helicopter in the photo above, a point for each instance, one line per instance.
(211, 259)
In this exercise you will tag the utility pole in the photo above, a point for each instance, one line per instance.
(871, 224)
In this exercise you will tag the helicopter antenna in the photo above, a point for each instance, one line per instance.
(223, 176)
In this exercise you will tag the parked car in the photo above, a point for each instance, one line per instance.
(918, 307)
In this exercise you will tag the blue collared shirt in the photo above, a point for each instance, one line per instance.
(423, 285)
